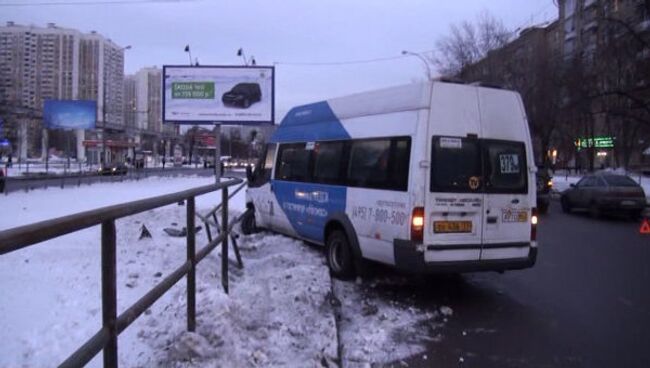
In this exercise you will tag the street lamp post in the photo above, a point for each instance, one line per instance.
(252, 61)
(419, 56)
(187, 49)
(240, 52)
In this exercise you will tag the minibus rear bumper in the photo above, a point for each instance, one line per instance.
(409, 259)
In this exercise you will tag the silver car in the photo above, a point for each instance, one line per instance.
(605, 192)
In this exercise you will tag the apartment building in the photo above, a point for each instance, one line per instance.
(52, 62)
(583, 78)
(606, 44)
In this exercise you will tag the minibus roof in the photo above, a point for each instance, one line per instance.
(321, 120)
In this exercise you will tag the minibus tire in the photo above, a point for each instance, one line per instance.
(248, 223)
(340, 259)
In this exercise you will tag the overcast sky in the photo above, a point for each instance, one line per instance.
(282, 32)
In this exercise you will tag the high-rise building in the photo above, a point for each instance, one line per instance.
(130, 107)
(149, 100)
(143, 109)
(40, 63)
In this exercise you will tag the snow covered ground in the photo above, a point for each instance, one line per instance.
(283, 308)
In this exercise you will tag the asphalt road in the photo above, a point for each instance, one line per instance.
(586, 303)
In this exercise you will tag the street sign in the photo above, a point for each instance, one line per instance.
(596, 142)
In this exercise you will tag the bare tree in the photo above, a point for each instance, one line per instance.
(469, 42)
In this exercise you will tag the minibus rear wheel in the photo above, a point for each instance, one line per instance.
(339, 255)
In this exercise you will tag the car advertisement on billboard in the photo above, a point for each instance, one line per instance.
(70, 114)
(218, 94)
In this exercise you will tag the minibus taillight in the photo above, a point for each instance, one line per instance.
(417, 224)
(533, 224)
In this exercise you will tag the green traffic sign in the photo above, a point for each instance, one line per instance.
(192, 90)
(596, 142)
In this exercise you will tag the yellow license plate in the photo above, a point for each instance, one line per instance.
(452, 226)
(514, 216)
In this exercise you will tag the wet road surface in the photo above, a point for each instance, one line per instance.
(586, 303)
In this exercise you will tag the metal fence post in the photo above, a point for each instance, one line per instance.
(191, 274)
(109, 292)
(224, 243)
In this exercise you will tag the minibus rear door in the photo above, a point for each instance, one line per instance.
(454, 201)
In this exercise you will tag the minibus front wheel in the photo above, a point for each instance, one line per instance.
(248, 223)
(339, 255)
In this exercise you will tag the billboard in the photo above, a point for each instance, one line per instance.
(70, 114)
(218, 94)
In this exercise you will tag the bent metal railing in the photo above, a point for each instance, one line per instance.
(112, 324)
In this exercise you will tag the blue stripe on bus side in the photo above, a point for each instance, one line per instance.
(308, 205)
(311, 122)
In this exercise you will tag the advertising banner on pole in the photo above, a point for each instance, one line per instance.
(218, 94)
(70, 114)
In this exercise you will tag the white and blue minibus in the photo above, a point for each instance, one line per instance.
(431, 177)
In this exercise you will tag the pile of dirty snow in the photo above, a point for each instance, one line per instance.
(277, 313)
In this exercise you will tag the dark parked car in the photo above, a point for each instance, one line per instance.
(242, 95)
(604, 192)
(544, 186)
(112, 169)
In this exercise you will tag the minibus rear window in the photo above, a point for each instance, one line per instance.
(505, 166)
(464, 165)
(455, 165)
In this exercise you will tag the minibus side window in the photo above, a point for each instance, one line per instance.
(293, 162)
(380, 163)
(505, 167)
(400, 165)
(369, 163)
(328, 158)
(455, 165)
